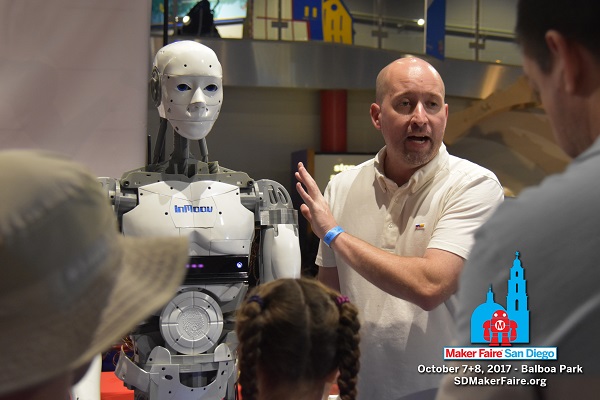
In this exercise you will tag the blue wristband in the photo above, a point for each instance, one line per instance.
(332, 234)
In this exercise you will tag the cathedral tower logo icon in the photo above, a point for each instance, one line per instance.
(498, 326)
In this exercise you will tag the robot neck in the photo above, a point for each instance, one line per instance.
(181, 163)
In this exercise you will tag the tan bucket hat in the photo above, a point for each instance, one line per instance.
(71, 285)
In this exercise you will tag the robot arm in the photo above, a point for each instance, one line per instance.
(280, 252)
(486, 331)
(513, 331)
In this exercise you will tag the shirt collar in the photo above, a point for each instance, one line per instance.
(418, 179)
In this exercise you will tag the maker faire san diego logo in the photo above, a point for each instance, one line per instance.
(502, 328)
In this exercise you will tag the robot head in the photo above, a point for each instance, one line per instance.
(186, 86)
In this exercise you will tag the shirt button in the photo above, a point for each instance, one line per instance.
(390, 226)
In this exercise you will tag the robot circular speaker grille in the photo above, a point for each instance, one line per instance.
(191, 323)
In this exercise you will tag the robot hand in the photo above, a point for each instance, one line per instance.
(280, 255)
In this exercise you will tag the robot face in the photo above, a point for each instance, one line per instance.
(191, 88)
(192, 103)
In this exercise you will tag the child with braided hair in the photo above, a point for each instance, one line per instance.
(296, 336)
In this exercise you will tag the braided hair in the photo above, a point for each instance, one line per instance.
(293, 334)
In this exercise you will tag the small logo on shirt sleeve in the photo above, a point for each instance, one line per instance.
(420, 227)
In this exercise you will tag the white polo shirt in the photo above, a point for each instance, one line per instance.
(440, 207)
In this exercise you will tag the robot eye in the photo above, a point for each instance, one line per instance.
(182, 87)
(211, 88)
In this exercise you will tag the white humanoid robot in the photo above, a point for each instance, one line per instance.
(187, 351)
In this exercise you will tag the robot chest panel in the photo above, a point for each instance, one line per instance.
(169, 207)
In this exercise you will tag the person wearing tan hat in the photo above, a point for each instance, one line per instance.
(71, 285)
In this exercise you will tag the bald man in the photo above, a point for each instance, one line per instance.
(395, 232)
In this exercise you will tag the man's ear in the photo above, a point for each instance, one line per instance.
(375, 111)
(567, 57)
(445, 119)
